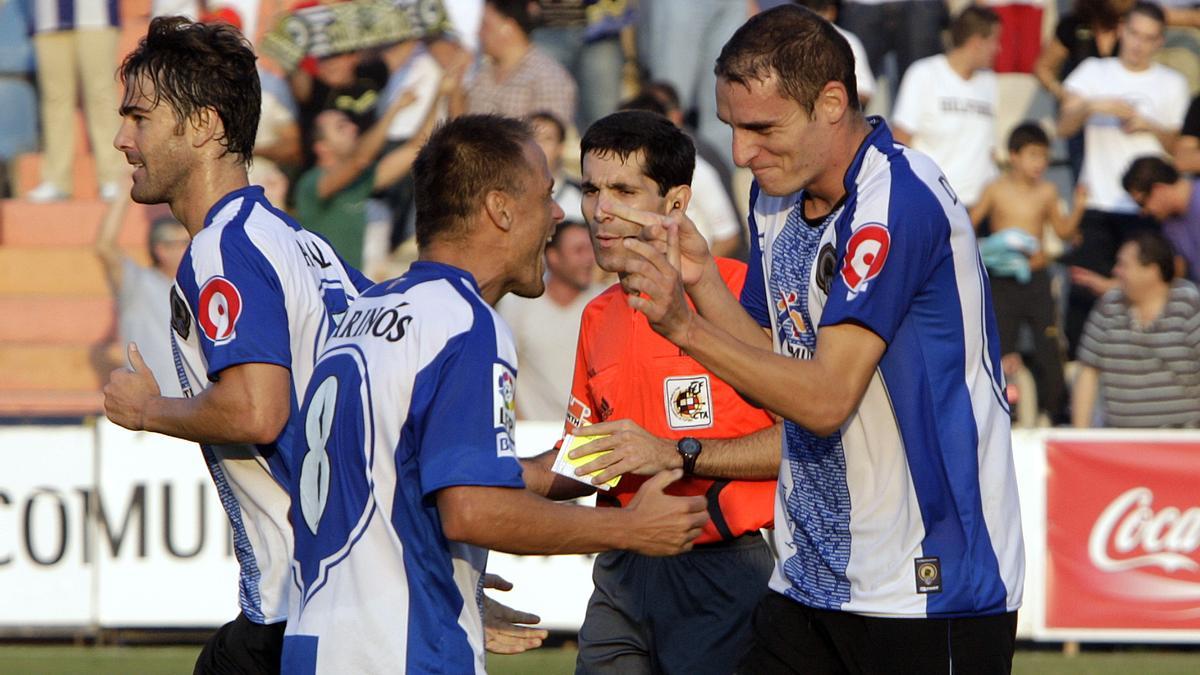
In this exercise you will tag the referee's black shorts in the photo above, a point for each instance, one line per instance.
(243, 647)
(792, 638)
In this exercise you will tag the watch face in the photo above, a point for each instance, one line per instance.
(689, 446)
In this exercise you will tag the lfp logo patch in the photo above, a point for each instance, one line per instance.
(220, 309)
(504, 400)
(866, 252)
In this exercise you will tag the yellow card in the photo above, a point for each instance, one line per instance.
(566, 466)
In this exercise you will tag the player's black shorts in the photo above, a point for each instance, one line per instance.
(792, 638)
(244, 647)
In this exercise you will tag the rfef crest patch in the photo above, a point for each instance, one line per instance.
(866, 253)
(688, 401)
(220, 307)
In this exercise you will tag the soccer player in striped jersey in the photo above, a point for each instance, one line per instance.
(255, 297)
(897, 525)
(409, 474)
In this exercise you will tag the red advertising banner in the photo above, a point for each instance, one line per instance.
(1123, 535)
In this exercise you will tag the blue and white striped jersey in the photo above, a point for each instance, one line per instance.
(910, 510)
(414, 393)
(255, 287)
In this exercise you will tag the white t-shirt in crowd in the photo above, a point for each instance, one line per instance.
(421, 75)
(710, 208)
(952, 120)
(546, 335)
(1159, 94)
(863, 77)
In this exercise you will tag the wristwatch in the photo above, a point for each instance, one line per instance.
(689, 449)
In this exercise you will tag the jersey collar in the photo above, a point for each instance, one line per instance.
(879, 138)
(430, 268)
(253, 193)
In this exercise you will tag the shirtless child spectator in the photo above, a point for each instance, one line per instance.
(1018, 205)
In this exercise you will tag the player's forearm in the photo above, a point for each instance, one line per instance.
(249, 403)
(752, 457)
(716, 303)
(810, 392)
(541, 480)
(205, 420)
(519, 522)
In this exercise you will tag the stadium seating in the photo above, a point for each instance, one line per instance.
(57, 309)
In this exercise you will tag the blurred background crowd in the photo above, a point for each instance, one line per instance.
(1070, 131)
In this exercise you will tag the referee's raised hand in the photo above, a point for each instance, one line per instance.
(128, 391)
(663, 524)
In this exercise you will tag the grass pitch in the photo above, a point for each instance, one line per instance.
(71, 660)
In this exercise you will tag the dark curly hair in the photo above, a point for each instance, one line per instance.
(193, 66)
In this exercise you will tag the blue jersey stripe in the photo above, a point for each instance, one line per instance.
(248, 580)
(923, 370)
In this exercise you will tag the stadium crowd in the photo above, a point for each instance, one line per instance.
(1085, 210)
(344, 113)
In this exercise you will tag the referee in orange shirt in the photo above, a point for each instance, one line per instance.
(688, 613)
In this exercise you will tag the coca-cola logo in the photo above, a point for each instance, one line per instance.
(1130, 534)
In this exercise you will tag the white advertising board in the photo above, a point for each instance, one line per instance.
(165, 556)
(101, 527)
(47, 570)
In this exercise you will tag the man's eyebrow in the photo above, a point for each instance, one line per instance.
(756, 126)
(129, 109)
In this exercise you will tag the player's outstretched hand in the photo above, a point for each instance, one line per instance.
(503, 633)
(690, 255)
(656, 290)
(631, 448)
(663, 524)
(129, 390)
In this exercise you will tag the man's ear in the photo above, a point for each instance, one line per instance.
(499, 208)
(832, 103)
(205, 125)
(678, 198)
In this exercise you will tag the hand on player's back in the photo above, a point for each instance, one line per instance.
(662, 524)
